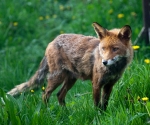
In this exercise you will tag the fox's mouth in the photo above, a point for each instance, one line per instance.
(114, 66)
(112, 61)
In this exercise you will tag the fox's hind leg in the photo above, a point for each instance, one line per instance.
(67, 85)
(54, 80)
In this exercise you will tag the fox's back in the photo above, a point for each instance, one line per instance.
(72, 52)
(74, 43)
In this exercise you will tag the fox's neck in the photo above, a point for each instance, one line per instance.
(119, 66)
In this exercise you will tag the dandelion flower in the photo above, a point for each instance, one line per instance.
(61, 7)
(15, 24)
(47, 16)
(110, 11)
(54, 16)
(61, 32)
(68, 8)
(120, 15)
(138, 98)
(43, 88)
(32, 91)
(135, 47)
(145, 99)
(110, 1)
(133, 14)
(147, 61)
(41, 18)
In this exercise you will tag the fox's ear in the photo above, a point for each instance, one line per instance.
(100, 31)
(125, 32)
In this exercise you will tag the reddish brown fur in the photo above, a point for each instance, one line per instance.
(71, 56)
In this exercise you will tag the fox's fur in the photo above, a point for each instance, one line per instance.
(71, 56)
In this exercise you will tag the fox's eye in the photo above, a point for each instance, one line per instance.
(115, 49)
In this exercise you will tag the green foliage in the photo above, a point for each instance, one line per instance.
(27, 26)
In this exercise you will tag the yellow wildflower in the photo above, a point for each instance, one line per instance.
(135, 47)
(121, 15)
(138, 98)
(145, 99)
(41, 18)
(110, 11)
(32, 91)
(61, 32)
(54, 16)
(110, 1)
(43, 88)
(68, 8)
(147, 61)
(47, 16)
(15, 24)
(61, 7)
(0, 22)
(133, 14)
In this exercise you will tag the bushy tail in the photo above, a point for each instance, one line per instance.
(35, 81)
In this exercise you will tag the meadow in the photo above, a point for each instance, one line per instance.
(27, 26)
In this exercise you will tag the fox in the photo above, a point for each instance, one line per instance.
(102, 59)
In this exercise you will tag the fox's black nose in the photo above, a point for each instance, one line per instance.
(105, 62)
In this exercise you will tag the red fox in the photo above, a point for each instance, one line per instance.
(72, 56)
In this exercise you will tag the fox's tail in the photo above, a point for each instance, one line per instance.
(34, 82)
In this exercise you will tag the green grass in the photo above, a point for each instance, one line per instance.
(26, 27)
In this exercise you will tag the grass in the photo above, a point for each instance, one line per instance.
(26, 27)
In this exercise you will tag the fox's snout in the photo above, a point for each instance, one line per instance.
(110, 62)
(105, 62)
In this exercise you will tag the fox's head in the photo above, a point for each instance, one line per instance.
(114, 44)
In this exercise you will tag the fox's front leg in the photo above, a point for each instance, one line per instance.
(96, 96)
(96, 91)
(105, 95)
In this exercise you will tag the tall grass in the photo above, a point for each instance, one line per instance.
(26, 27)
